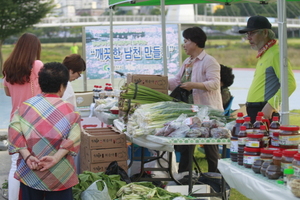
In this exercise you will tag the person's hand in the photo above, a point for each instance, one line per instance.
(187, 85)
(47, 162)
(32, 162)
(268, 110)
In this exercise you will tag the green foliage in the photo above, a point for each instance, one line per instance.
(113, 183)
(295, 117)
(250, 9)
(18, 15)
(5, 185)
(155, 11)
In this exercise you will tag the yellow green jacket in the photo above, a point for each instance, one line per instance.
(266, 83)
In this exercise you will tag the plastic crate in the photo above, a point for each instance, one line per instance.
(137, 152)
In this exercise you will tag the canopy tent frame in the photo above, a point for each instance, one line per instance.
(282, 36)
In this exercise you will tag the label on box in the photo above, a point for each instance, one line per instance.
(151, 81)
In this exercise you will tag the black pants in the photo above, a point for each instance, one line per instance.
(254, 108)
(211, 152)
(28, 193)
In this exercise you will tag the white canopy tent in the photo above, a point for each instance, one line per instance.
(282, 28)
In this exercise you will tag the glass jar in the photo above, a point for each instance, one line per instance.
(296, 164)
(257, 165)
(234, 148)
(242, 136)
(289, 137)
(287, 158)
(250, 156)
(275, 139)
(255, 141)
(264, 167)
(273, 171)
(277, 155)
(267, 153)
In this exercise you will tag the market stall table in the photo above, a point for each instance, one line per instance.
(252, 185)
(160, 143)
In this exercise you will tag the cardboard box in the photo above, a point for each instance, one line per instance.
(241, 109)
(101, 167)
(151, 81)
(90, 122)
(102, 138)
(104, 155)
(84, 99)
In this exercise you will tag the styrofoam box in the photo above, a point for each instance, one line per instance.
(183, 189)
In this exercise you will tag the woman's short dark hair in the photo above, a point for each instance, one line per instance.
(227, 77)
(74, 62)
(52, 75)
(195, 34)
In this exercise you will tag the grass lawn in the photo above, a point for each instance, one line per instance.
(234, 194)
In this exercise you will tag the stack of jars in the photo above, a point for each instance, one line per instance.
(288, 141)
(277, 143)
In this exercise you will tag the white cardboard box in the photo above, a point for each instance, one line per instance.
(90, 122)
(183, 189)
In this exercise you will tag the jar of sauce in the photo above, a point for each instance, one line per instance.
(277, 155)
(242, 136)
(275, 139)
(266, 154)
(287, 158)
(264, 166)
(289, 137)
(250, 156)
(273, 171)
(296, 164)
(255, 141)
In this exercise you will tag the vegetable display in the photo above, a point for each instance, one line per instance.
(145, 190)
(133, 95)
(113, 183)
(149, 117)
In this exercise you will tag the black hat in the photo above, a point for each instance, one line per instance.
(256, 22)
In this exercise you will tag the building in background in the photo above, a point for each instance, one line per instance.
(71, 8)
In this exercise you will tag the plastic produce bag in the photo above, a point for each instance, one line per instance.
(114, 168)
(92, 192)
(181, 94)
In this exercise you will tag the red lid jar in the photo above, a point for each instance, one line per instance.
(266, 154)
(296, 164)
(289, 137)
(255, 141)
(250, 156)
(287, 158)
(277, 155)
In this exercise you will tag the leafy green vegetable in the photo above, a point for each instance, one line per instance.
(113, 183)
(145, 190)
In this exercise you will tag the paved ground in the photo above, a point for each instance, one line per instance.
(4, 160)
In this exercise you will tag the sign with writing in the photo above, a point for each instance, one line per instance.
(137, 49)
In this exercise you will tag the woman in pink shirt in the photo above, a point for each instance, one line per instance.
(20, 72)
(199, 74)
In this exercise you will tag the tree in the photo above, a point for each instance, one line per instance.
(16, 16)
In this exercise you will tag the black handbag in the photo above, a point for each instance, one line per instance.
(180, 94)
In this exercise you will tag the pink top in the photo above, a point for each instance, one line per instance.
(20, 93)
(206, 70)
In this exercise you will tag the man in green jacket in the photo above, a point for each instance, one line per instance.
(265, 91)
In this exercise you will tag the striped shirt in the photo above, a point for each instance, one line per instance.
(44, 124)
